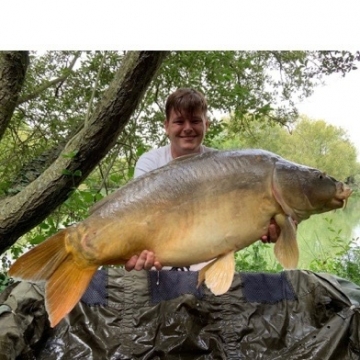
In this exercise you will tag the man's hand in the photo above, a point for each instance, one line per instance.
(273, 233)
(145, 261)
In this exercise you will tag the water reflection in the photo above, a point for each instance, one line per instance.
(356, 233)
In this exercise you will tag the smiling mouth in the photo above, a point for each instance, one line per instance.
(188, 137)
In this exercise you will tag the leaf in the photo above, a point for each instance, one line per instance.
(66, 172)
(70, 155)
(37, 239)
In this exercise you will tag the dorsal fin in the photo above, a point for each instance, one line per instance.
(102, 202)
(183, 157)
(113, 195)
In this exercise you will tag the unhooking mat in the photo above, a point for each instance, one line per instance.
(163, 315)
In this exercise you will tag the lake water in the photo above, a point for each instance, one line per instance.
(356, 232)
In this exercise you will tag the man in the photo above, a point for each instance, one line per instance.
(185, 125)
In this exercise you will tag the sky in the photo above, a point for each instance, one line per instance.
(179, 25)
(337, 102)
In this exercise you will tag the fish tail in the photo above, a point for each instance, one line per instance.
(40, 262)
(66, 280)
(65, 287)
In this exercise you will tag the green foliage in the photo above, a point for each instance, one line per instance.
(255, 258)
(6, 260)
(4, 281)
(338, 61)
(345, 263)
(310, 142)
(323, 146)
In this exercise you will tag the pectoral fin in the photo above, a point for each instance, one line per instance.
(219, 274)
(277, 193)
(286, 247)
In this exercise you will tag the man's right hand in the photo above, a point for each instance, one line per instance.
(144, 261)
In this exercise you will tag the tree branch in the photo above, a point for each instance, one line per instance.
(51, 83)
(20, 213)
(94, 89)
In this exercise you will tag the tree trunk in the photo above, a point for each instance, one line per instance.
(20, 213)
(13, 65)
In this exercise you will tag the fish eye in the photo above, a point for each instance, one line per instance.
(322, 175)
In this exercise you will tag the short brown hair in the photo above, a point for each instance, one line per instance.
(185, 100)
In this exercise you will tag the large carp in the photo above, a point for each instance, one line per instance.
(192, 210)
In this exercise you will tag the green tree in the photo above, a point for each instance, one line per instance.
(262, 133)
(323, 146)
(310, 142)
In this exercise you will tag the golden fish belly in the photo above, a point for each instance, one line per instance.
(193, 231)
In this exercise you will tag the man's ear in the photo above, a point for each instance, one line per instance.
(207, 123)
(166, 126)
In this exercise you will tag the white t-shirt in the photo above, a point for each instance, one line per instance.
(154, 159)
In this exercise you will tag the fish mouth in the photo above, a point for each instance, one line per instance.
(337, 203)
(341, 200)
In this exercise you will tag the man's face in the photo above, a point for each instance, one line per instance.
(186, 132)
